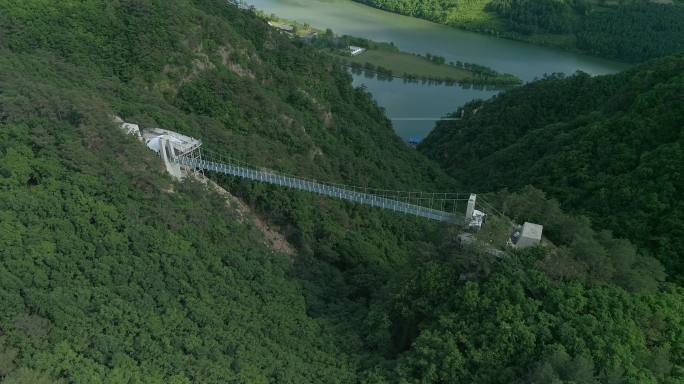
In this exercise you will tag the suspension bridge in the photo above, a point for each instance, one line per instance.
(180, 151)
(408, 202)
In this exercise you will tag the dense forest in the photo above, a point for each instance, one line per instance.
(611, 148)
(633, 31)
(111, 272)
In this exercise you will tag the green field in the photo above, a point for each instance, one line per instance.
(402, 64)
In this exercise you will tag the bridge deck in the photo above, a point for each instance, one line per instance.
(320, 188)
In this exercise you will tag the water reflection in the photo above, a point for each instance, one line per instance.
(466, 85)
(414, 107)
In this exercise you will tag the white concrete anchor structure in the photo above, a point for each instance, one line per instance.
(474, 218)
(171, 146)
(471, 208)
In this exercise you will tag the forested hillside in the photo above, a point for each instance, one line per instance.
(633, 31)
(611, 148)
(111, 272)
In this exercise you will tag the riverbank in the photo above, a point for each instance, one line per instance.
(425, 99)
(414, 35)
(629, 31)
(474, 17)
(387, 61)
(409, 66)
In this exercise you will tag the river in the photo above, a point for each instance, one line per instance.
(423, 102)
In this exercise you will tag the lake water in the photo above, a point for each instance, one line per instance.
(414, 107)
(418, 36)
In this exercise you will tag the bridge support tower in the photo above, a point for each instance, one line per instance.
(470, 209)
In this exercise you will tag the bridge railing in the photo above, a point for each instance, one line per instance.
(453, 202)
(331, 190)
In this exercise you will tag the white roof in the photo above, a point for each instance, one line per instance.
(532, 231)
(283, 27)
(477, 219)
(182, 143)
(155, 142)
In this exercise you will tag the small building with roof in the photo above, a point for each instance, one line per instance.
(282, 27)
(529, 235)
(355, 51)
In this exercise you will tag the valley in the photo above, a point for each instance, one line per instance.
(525, 61)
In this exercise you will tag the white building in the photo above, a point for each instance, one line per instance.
(529, 235)
(282, 27)
(355, 51)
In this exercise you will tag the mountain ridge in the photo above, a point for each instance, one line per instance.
(606, 147)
